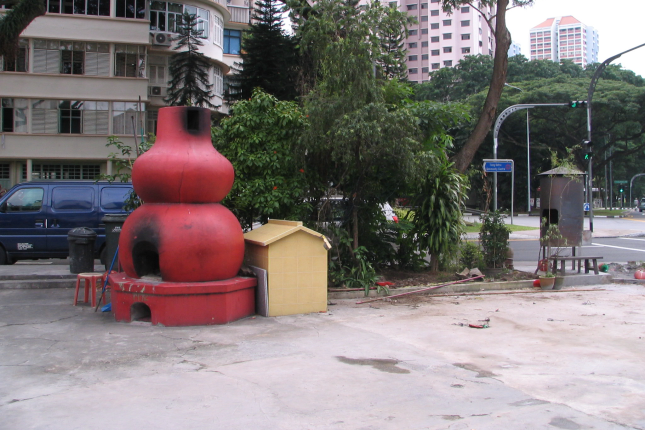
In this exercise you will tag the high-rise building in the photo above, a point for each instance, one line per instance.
(564, 38)
(441, 40)
(90, 69)
(514, 50)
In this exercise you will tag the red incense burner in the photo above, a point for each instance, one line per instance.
(181, 250)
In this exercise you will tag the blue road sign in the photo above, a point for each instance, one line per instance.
(586, 207)
(498, 165)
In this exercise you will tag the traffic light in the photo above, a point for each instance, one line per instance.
(578, 104)
(587, 149)
(621, 191)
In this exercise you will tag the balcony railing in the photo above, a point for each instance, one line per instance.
(240, 14)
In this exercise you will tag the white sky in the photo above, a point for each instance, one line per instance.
(619, 23)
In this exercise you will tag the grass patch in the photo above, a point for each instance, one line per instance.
(512, 227)
(608, 212)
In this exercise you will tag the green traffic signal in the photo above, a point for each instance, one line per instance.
(577, 103)
(621, 190)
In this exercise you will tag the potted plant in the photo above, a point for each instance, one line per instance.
(547, 281)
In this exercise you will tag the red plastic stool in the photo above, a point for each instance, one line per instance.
(92, 281)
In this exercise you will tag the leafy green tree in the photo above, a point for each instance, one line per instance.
(358, 145)
(189, 83)
(269, 56)
(392, 36)
(14, 22)
(260, 139)
(497, 25)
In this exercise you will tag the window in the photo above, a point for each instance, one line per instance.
(465, 9)
(73, 198)
(447, 63)
(465, 50)
(424, 44)
(202, 19)
(218, 81)
(424, 5)
(434, 12)
(63, 171)
(424, 57)
(233, 40)
(435, 52)
(96, 117)
(20, 62)
(412, 45)
(424, 18)
(44, 116)
(434, 39)
(97, 59)
(447, 49)
(434, 66)
(447, 36)
(72, 58)
(424, 31)
(465, 37)
(480, 44)
(218, 30)
(26, 200)
(424, 70)
(465, 23)
(412, 32)
(412, 58)
(151, 119)
(13, 115)
(157, 70)
(434, 26)
(412, 7)
(434, 1)
(414, 71)
(69, 119)
(130, 61)
(131, 9)
(123, 114)
(393, 4)
(447, 22)
(79, 7)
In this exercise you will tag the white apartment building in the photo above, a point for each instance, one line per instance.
(88, 69)
(564, 38)
(441, 40)
(514, 50)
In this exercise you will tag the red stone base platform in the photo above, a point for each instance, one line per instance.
(182, 303)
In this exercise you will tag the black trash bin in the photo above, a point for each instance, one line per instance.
(81, 249)
(113, 224)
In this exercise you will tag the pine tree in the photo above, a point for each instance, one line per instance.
(189, 83)
(269, 56)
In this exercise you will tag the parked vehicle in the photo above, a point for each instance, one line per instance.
(641, 207)
(35, 217)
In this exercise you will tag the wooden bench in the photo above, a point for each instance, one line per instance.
(563, 259)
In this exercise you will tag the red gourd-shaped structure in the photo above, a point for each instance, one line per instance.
(181, 250)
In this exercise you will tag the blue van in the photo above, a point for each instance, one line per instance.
(35, 217)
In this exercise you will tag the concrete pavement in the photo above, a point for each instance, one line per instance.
(563, 360)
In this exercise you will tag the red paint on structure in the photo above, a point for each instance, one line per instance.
(182, 249)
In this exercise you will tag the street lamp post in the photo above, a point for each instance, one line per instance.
(528, 155)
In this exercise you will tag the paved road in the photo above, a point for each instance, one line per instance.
(616, 250)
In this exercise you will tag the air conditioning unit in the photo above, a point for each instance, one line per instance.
(161, 39)
(157, 91)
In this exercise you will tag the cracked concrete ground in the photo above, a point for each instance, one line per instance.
(551, 360)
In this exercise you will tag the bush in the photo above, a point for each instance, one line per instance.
(493, 237)
(470, 256)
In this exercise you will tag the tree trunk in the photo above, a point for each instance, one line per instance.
(500, 67)
(355, 226)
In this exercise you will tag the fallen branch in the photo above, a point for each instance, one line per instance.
(419, 291)
(491, 293)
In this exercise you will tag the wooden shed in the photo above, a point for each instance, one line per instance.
(295, 259)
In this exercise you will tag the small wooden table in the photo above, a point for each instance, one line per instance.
(586, 258)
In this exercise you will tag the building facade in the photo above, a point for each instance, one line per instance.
(89, 69)
(440, 39)
(564, 38)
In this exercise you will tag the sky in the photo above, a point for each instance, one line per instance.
(620, 26)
